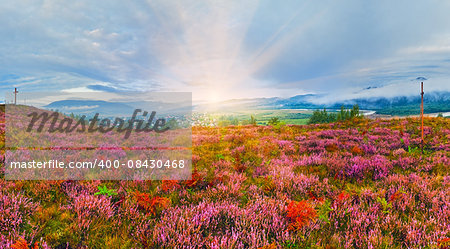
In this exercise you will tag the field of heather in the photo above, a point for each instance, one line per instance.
(355, 184)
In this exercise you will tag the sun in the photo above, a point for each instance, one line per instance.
(213, 97)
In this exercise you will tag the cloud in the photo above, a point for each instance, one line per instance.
(79, 90)
(400, 88)
(82, 107)
(103, 88)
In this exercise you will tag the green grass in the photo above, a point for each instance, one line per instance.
(300, 121)
(298, 117)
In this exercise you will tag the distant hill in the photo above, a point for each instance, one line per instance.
(402, 105)
(90, 107)
(434, 102)
(121, 109)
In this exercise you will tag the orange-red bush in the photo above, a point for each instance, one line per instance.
(300, 213)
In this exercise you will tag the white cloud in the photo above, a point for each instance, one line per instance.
(400, 88)
(78, 90)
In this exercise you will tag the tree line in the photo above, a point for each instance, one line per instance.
(322, 116)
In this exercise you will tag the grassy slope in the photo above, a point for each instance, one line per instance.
(58, 225)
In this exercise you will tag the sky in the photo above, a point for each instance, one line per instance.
(226, 49)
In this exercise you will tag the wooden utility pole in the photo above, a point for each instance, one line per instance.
(15, 96)
(421, 112)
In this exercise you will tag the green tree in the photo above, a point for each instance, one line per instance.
(172, 124)
(355, 111)
(317, 117)
(320, 117)
(273, 121)
(234, 121)
(252, 120)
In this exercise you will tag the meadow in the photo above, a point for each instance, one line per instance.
(261, 116)
(354, 184)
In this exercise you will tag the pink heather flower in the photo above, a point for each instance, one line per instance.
(223, 224)
(15, 210)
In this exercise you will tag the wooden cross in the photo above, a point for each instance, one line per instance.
(15, 95)
(421, 113)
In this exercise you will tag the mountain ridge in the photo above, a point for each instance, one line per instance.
(400, 105)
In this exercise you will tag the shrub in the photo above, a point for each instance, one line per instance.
(300, 214)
